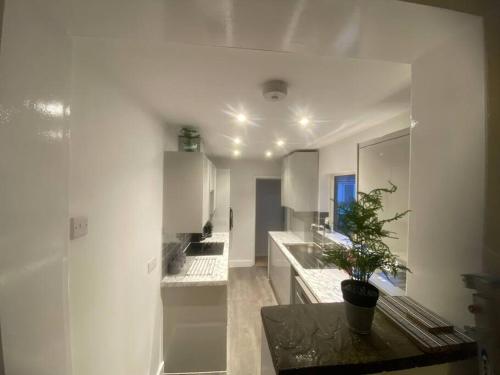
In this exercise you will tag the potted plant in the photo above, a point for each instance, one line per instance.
(189, 140)
(365, 253)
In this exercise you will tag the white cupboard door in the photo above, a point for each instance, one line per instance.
(285, 185)
(303, 181)
(206, 190)
(183, 192)
(213, 189)
(280, 274)
(299, 181)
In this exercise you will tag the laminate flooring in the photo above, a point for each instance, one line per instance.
(261, 261)
(248, 291)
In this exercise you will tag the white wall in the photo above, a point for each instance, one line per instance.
(116, 180)
(447, 173)
(35, 63)
(341, 156)
(243, 184)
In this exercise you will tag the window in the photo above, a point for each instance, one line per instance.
(344, 192)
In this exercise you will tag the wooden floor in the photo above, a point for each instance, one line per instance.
(249, 290)
(261, 261)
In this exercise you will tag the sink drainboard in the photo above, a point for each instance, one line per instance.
(202, 267)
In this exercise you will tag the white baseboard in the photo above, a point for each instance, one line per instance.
(241, 263)
(160, 368)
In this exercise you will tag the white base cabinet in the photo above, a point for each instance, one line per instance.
(194, 329)
(279, 273)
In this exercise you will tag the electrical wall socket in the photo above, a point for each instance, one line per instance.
(151, 265)
(78, 227)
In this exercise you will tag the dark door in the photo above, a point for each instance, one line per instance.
(268, 212)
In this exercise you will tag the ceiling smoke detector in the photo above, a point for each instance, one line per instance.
(275, 90)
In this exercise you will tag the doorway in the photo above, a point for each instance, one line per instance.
(268, 215)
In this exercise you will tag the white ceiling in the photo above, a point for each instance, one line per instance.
(206, 86)
(376, 29)
(174, 56)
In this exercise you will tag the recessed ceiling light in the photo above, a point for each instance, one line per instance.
(237, 140)
(241, 117)
(304, 121)
(269, 154)
(280, 143)
(236, 153)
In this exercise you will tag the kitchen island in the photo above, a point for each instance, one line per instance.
(315, 339)
(308, 334)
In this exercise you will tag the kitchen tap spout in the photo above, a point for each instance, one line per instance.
(320, 227)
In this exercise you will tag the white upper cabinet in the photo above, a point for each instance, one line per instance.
(299, 181)
(188, 178)
(284, 182)
(212, 178)
(206, 191)
(212, 175)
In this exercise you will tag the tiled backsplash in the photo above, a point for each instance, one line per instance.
(300, 223)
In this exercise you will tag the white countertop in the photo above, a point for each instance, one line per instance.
(219, 276)
(323, 283)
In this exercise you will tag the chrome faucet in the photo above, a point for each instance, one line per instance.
(320, 227)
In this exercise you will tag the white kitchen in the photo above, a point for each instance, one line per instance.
(249, 187)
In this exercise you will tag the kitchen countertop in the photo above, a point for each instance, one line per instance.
(314, 338)
(219, 275)
(323, 283)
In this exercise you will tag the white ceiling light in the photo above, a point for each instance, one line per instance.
(241, 118)
(236, 153)
(280, 143)
(304, 121)
(269, 154)
(237, 141)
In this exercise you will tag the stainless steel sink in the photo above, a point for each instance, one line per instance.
(308, 254)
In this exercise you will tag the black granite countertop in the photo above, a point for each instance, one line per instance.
(315, 339)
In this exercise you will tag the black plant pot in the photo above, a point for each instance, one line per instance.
(360, 301)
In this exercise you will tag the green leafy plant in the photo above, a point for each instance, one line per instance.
(367, 250)
(189, 139)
